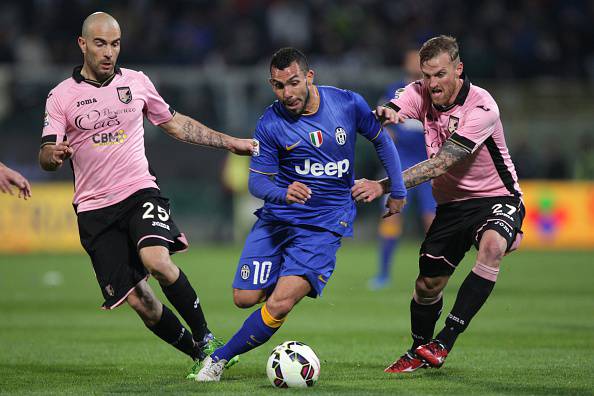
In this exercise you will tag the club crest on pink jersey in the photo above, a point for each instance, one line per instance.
(124, 94)
(453, 124)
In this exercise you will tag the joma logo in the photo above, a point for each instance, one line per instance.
(85, 102)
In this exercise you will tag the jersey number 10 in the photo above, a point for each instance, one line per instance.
(261, 271)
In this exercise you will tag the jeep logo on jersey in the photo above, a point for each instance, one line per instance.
(340, 134)
(330, 169)
(125, 94)
(316, 138)
(453, 124)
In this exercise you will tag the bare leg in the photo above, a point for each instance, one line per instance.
(177, 288)
(160, 320)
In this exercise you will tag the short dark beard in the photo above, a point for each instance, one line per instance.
(103, 77)
(100, 78)
(306, 98)
(300, 112)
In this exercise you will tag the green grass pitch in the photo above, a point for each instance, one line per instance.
(535, 335)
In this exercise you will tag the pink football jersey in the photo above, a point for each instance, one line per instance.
(473, 123)
(104, 125)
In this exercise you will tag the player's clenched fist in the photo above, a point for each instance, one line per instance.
(366, 190)
(297, 193)
(61, 151)
(243, 146)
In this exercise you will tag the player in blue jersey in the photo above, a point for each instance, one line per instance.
(304, 172)
(410, 141)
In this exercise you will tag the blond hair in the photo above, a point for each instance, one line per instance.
(437, 45)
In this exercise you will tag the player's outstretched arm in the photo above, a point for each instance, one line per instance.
(450, 154)
(9, 178)
(189, 130)
(52, 156)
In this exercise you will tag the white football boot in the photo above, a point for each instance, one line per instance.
(211, 370)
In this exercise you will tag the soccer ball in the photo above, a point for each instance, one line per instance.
(293, 364)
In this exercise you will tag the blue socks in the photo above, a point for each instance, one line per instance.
(388, 246)
(256, 330)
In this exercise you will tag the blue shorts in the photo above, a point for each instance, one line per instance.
(274, 249)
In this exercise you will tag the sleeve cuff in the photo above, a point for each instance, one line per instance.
(397, 195)
(48, 139)
(262, 172)
(463, 142)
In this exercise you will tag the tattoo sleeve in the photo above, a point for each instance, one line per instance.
(191, 131)
(449, 155)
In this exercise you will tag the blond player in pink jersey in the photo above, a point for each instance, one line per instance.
(476, 188)
(95, 119)
(9, 178)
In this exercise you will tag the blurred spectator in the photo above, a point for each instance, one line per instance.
(235, 180)
(518, 34)
(525, 160)
(583, 168)
(554, 163)
(288, 23)
(31, 50)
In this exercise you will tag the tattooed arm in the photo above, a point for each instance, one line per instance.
(189, 130)
(449, 155)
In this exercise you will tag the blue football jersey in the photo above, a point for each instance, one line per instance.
(409, 136)
(317, 150)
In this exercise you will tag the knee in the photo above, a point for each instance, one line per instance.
(248, 298)
(162, 268)
(279, 308)
(491, 252)
(429, 288)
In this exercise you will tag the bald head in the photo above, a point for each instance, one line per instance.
(100, 44)
(98, 22)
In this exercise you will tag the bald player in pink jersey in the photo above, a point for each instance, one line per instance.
(476, 188)
(95, 119)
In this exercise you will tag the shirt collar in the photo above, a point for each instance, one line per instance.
(78, 77)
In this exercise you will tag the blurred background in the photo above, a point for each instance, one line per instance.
(209, 59)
